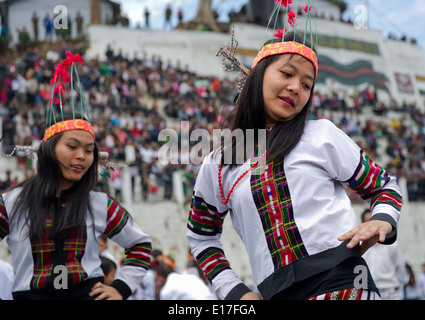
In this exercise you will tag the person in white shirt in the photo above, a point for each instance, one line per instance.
(180, 286)
(387, 266)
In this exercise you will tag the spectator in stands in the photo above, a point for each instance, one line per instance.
(411, 288)
(48, 27)
(7, 183)
(168, 13)
(147, 14)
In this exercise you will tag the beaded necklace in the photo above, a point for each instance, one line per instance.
(220, 184)
(226, 200)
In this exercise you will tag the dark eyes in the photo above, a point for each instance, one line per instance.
(305, 85)
(289, 75)
(74, 148)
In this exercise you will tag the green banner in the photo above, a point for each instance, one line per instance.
(353, 74)
(348, 44)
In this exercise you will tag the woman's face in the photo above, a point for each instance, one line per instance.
(287, 85)
(75, 153)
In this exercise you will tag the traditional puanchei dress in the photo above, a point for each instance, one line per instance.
(289, 216)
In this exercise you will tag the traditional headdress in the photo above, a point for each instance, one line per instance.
(66, 75)
(67, 98)
(276, 46)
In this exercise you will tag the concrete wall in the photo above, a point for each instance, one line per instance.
(196, 51)
(193, 51)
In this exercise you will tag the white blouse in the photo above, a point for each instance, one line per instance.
(289, 216)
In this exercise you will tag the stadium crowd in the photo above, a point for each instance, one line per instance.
(132, 99)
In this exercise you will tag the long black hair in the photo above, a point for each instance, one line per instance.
(250, 113)
(38, 194)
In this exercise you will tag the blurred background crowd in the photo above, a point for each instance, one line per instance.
(131, 99)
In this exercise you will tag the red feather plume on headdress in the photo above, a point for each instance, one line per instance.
(306, 8)
(72, 58)
(62, 76)
(291, 18)
(61, 73)
(279, 33)
(62, 69)
(283, 3)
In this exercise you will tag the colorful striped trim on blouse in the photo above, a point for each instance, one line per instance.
(369, 181)
(273, 200)
(346, 294)
(388, 197)
(139, 255)
(204, 219)
(212, 262)
(4, 220)
(116, 219)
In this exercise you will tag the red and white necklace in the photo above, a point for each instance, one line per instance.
(226, 200)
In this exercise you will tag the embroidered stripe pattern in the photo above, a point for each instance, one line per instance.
(138, 255)
(4, 220)
(387, 197)
(369, 181)
(116, 219)
(204, 219)
(42, 253)
(212, 262)
(46, 254)
(74, 247)
(347, 294)
(272, 198)
(368, 177)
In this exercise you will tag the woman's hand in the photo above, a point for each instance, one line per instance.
(250, 296)
(105, 292)
(369, 233)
